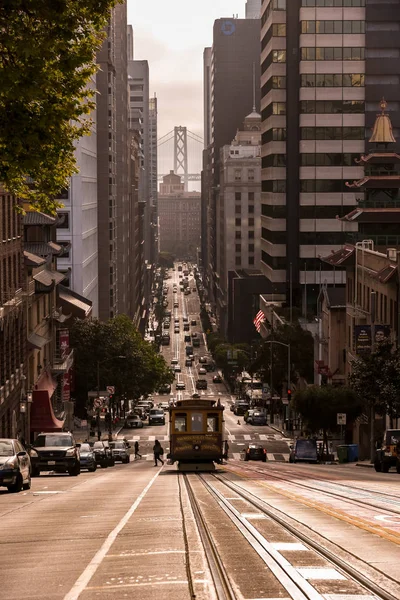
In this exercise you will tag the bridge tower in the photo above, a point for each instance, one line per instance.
(181, 154)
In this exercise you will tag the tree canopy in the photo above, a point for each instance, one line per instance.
(47, 59)
(121, 356)
(375, 377)
(301, 356)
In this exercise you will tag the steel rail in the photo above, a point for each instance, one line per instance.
(222, 584)
(352, 572)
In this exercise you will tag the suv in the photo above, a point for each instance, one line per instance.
(387, 452)
(157, 416)
(201, 384)
(55, 452)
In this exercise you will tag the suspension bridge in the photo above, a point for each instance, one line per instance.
(180, 150)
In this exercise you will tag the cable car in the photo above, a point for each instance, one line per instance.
(196, 434)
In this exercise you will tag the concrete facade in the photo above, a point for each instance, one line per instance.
(253, 9)
(180, 218)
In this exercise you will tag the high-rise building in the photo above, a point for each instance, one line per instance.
(313, 105)
(207, 95)
(234, 73)
(106, 83)
(153, 184)
(238, 214)
(77, 229)
(253, 9)
(138, 71)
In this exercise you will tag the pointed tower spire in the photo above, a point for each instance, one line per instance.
(382, 132)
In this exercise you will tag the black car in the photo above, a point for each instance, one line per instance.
(55, 452)
(201, 384)
(241, 408)
(217, 379)
(15, 465)
(88, 460)
(254, 452)
(103, 454)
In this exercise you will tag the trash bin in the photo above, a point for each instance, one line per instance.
(352, 453)
(342, 452)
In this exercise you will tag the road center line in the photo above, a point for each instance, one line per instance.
(81, 583)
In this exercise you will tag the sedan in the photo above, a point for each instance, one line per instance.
(254, 452)
(176, 305)
(178, 369)
(217, 379)
(88, 460)
(174, 361)
(176, 330)
(193, 322)
(180, 385)
(15, 465)
(202, 371)
(202, 360)
(134, 421)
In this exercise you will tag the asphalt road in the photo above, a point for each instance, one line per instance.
(131, 531)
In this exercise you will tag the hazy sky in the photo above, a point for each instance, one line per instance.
(171, 35)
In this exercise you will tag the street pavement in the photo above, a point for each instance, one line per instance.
(130, 531)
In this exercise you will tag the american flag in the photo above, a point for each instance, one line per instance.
(260, 318)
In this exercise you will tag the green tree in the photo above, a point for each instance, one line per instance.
(318, 407)
(276, 356)
(375, 377)
(231, 358)
(116, 351)
(47, 57)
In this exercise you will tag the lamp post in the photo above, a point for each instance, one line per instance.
(99, 363)
(288, 362)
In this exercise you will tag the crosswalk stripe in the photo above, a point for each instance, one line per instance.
(236, 455)
(263, 437)
(247, 437)
(270, 456)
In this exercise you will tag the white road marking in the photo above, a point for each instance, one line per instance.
(283, 546)
(263, 437)
(325, 574)
(270, 456)
(83, 580)
(247, 437)
(236, 455)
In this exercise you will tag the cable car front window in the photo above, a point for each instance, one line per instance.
(212, 423)
(180, 423)
(197, 422)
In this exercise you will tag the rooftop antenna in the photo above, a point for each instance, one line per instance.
(254, 87)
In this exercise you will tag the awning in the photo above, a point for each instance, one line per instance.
(74, 303)
(46, 277)
(31, 260)
(42, 414)
(37, 341)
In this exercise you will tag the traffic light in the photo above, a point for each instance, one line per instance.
(289, 395)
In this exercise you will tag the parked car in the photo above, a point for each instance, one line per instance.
(193, 322)
(119, 451)
(55, 452)
(88, 460)
(157, 416)
(217, 379)
(134, 422)
(186, 327)
(387, 453)
(304, 450)
(164, 406)
(180, 385)
(187, 339)
(102, 454)
(254, 452)
(15, 465)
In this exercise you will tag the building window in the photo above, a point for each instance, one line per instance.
(279, 56)
(238, 209)
(336, 53)
(251, 260)
(278, 82)
(279, 108)
(328, 3)
(330, 27)
(332, 107)
(64, 218)
(238, 261)
(279, 29)
(251, 222)
(251, 235)
(238, 174)
(238, 235)
(238, 247)
(279, 134)
(250, 174)
(251, 208)
(238, 222)
(238, 196)
(251, 248)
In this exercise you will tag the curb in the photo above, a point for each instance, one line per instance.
(365, 465)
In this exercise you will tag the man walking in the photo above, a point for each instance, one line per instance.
(158, 452)
(137, 455)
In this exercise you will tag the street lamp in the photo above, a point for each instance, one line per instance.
(102, 362)
(288, 365)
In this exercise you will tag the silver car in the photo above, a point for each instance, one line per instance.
(119, 451)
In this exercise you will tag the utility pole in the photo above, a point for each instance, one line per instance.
(372, 410)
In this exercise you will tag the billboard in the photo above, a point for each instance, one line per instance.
(363, 337)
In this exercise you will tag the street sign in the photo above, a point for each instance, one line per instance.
(341, 418)
(97, 403)
(276, 397)
(111, 389)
